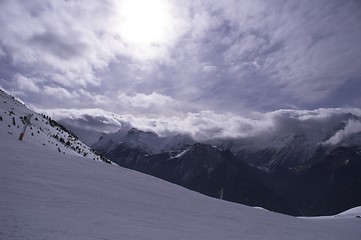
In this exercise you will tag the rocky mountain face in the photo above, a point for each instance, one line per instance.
(329, 183)
(205, 169)
(297, 174)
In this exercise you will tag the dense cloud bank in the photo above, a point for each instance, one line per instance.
(209, 125)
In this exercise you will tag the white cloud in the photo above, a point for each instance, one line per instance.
(53, 40)
(352, 127)
(64, 113)
(209, 68)
(26, 84)
(58, 92)
(69, 41)
(143, 101)
(209, 125)
(206, 125)
(89, 118)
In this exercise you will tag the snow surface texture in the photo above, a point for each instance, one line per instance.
(45, 194)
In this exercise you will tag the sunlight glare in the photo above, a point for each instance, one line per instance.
(145, 23)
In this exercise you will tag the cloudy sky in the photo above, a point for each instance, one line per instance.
(173, 58)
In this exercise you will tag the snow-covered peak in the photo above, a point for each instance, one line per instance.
(145, 141)
(178, 142)
(148, 142)
(343, 130)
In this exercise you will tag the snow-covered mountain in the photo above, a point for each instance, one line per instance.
(146, 142)
(288, 166)
(289, 146)
(42, 131)
(47, 194)
(297, 146)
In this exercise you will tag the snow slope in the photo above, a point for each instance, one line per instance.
(45, 194)
(353, 212)
(42, 132)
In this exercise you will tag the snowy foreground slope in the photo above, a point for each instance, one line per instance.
(45, 194)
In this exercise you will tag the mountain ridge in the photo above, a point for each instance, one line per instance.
(276, 170)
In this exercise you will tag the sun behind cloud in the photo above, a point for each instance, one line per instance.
(145, 24)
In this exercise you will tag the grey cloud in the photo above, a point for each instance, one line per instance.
(58, 40)
(316, 58)
(295, 53)
(347, 94)
(207, 125)
(223, 56)
(86, 118)
(65, 47)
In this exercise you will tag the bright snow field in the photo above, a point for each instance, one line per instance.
(48, 195)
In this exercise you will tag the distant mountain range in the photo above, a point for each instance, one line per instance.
(303, 173)
(315, 170)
